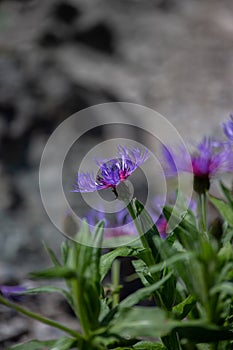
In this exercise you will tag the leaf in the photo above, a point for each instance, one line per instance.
(52, 255)
(65, 248)
(179, 256)
(34, 345)
(184, 226)
(227, 193)
(64, 343)
(148, 227)
(55, 272)
(147, 345)
(107, 259)
(142, 272)
(181, 310)
(203, 333)
(141, 322)
(50, 289)
(225, 288)
(224, 209)
(96, 252)
(143, 293)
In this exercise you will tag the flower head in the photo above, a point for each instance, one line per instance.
(209, 160)
(12, 292)
(228, 128)
(111, 171)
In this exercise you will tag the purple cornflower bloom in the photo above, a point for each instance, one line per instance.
(111, 172)
(228, 128)
(13, 293)
(210, 159)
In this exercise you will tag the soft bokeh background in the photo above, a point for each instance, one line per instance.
(58, 57)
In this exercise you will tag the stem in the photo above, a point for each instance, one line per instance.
(40, 318)
(150, 259)
(80, 306)
(203, 215)
(115, 282)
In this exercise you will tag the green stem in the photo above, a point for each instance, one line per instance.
(150, 259)
(80, 306)
(203, 215)
(115, 282)
(40, 318)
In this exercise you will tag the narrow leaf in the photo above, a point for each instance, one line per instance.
(107, 259)
(143, 293)
(50, 289)
(55, 272)
(224, 209)
(182, 309)
(64, 343)
(141, 322)
(227, 193)
(52, 255)
(34, 345)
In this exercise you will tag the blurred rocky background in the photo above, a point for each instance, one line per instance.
(58, 57)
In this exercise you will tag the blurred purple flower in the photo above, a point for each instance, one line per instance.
(122, 225)
(161, 225)
(13, 293)
(228, 128)
(156, 211)
(111, 172)
(209, 160)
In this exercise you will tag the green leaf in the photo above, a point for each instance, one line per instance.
(181, 310)
(107, 259)
(225, 288)
(203, 333)
(142, 272)
(96, 252)
(34, 345)
(147, 345)
(50, 289)
(185, 226)
(55, 272)
(52, 255)
(141, 322)
(143, 293)
(178, 257)
(148, 227)
(227, 193)
(65, 248)
(224, 209)
(64, 343)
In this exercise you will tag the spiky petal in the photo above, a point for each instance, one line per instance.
(111, 171)
(210, 159)
(228, 128)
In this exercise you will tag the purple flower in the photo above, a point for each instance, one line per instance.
(162, 226)
(228, 128)
(12, 292)
(122, 226)
(209, 160)
(111, 172)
